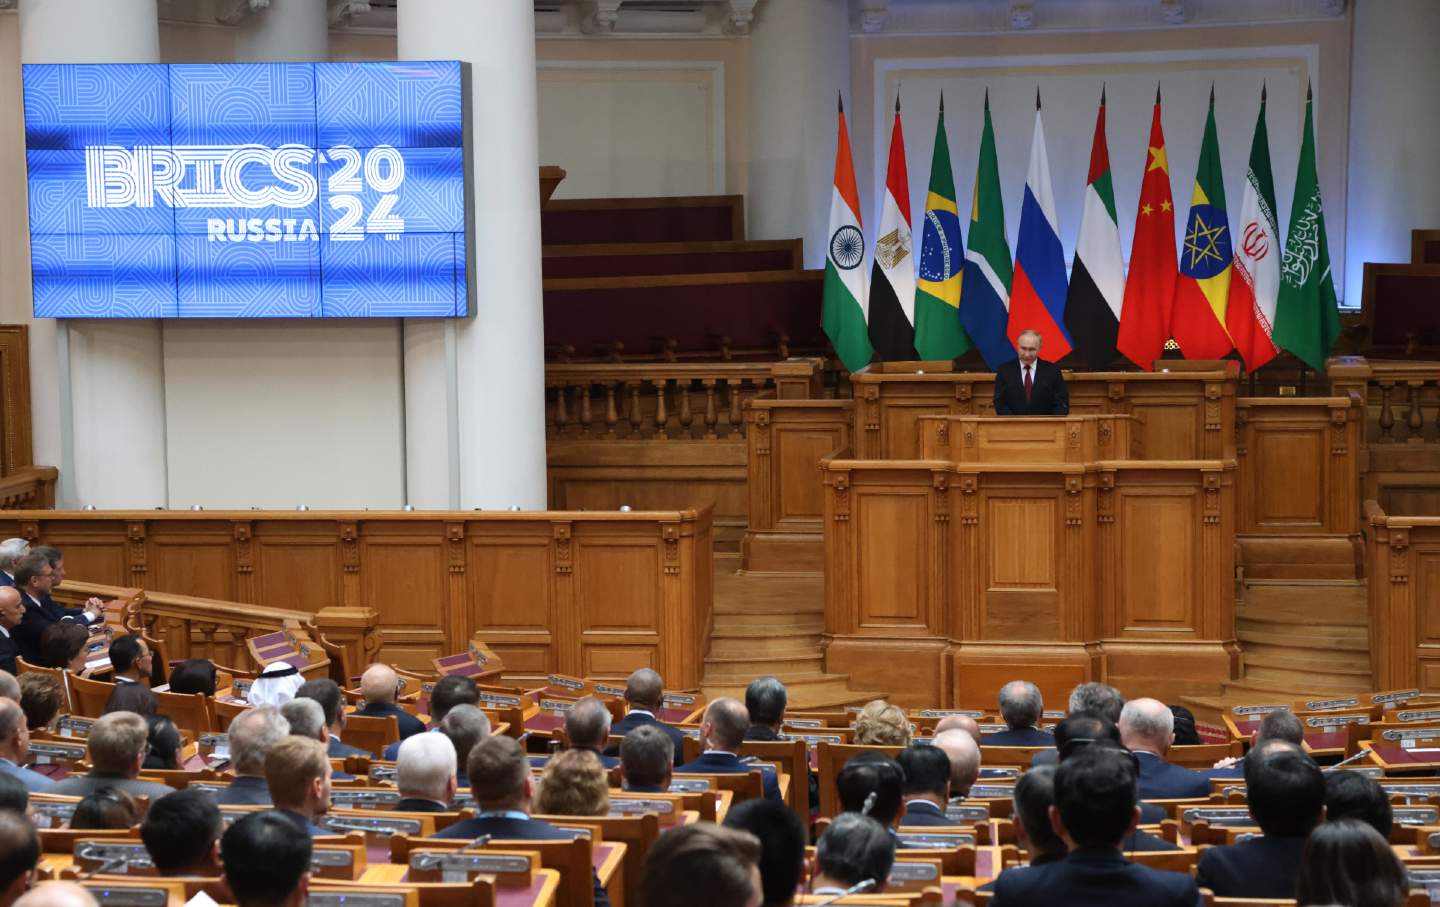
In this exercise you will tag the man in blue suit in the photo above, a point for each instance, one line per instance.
(1021, 706)
(722, 730)
(644, 692)
(1095, 794)
(11, 550)
(35, 578)
(1147, 728)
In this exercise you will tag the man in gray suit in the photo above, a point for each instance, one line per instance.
(252, 735)
(116, 745)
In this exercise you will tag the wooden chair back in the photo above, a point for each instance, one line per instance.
(1202, 756)
(61, 677)
(333, 893)
(794, 760)
(1172, 860)
(371, 733)
(62, 840)
(225, 711)
(571, 858)
(830, 758)
(747, 786)
(637, 833)
(189, 711)
(89, 696)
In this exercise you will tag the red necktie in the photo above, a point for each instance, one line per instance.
(1029, 384)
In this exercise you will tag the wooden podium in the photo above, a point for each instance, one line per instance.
(1040, 548)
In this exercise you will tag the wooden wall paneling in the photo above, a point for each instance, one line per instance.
(619, 601)
(1404, 598)
(16, 444)
(196, 556)
(94, 551)
(298, 564)
(519, 579)
(403, 572)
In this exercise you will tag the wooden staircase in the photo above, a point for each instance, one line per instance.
(1298, 639)
(772, 625)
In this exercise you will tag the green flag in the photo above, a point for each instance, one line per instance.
(1307, 316)
(938, 334)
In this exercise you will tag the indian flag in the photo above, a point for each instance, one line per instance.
(843, 315)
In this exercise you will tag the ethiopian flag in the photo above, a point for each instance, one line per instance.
(843, 311)
(1197, 318)
(938, 334)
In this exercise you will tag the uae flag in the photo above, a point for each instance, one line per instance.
(1202, 291)
(1038, 287)
(1307, 317)
(843, 310)
(1150, 283)
(1097, 275)
(1250, 317)
(892, 277)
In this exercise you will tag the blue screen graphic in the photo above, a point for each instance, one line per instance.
(252, 190)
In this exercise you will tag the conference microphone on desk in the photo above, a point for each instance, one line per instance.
(858, 888)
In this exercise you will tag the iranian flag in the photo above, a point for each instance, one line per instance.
(1255, 287)
(1097, 275)
(892, 277)
(843, 312)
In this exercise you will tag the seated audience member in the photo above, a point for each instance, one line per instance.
(854, 850)
(14, 796)
(782, 847)
(182, 834)
(574, 784)
(500, 783)
(963, 751)
(12, 611)
(1034, 797)
(297, 772)
(130, 659)
(1104, 738)
(644, 694)
(425, 774)
(927, 784)
(722, 733)
(1351, 795)
(1020, 706)
(1147, 728)
(647, 759)
(93, 611)
(307, 719)
(130, 697)
(1095, 795)
(702, 865)
(1185, 731)
(1347, 862)
(193, 675)
(765, 701)
(380, 688)
(116, 749)
(882, 724)
(253, 734)
(1096, 699)
(448, 692)
(276, 685)
(587, 727)
(959, 723)
(464, 726)
(15, 749)
(35, 578)
(9, 686)
(1279, 725)
(164, 751)
(327, 692)
(1286, 793)
(872, 784)
(19, 855)
(267, 861)
(62, 645)
(106, 808)
(40, 700)
(11, 551)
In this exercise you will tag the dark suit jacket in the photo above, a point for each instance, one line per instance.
(1143, 840)
(1102, 878)
(1048, 397)
(762, 733)
(730, 764)
(6, 579)
(246, 790)
(1263, 867)
(923, 812)
(9, 648)
(303, 823)
(417, 805)
(1025, 736)
(409, 724)
(633, 720)
(339, 749)
(1159, 780)
(505, 828)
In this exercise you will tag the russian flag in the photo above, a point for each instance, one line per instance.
(1037, 296)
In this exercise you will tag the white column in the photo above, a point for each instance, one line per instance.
(103, 423)
(286, 30)
(799, 62)
(1394, 185)
(497, 429)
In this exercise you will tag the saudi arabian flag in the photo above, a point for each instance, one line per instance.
(843, 311)
(1307, 316)
(938, 334)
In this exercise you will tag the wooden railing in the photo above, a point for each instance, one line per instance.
(1404, 597)
(29, 488)
(1406, 397)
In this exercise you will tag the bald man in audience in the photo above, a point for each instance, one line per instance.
(298, 774)
(959, 723)
(425, 774)
(722, 732)
(57, 894)
(15, 749)
(380, 687)
(252, 735)
(587, 727)
(19, 854)
(12, 611)
(644, 693)
(1147, 729)
(964, 756)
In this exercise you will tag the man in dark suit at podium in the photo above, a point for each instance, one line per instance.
(1030, 386)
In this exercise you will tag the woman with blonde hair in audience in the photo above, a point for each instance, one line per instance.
(574, 784)
(1347, 862)
(40, 699)
(882, 724)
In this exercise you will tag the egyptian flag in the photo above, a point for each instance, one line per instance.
(1197, 318)
(892, 277)
(1150, 283)
(985, 288)
(1037, 292)
(1097, 275)
(1250, 316)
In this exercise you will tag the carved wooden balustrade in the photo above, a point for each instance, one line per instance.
(1406, 399)
(1400, 466)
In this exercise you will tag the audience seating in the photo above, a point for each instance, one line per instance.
(370, 733)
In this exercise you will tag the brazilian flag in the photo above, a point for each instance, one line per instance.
(938, 334)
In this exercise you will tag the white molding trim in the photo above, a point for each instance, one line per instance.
(926, 18)
(716, 71)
